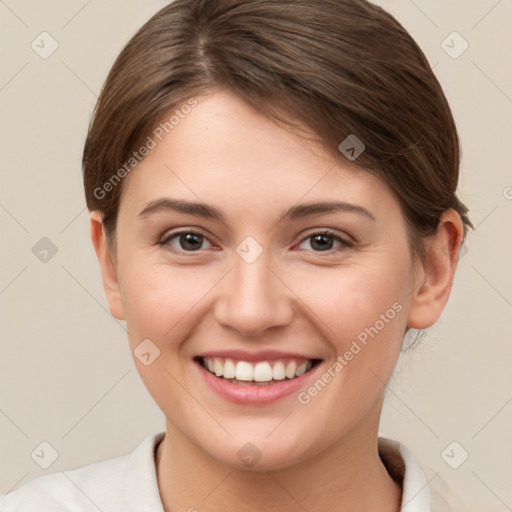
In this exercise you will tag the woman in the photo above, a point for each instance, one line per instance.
(272, 188)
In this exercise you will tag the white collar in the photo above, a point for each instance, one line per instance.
(405, 468)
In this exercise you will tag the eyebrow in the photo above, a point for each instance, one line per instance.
(295, 212)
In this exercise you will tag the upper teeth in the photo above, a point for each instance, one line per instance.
(262, 371)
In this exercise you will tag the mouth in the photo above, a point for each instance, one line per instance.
(257, 373)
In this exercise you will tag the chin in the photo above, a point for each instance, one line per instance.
(259, 454)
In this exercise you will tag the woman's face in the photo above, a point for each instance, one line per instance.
(257, 281)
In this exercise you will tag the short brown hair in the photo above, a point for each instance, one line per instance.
(337, 67)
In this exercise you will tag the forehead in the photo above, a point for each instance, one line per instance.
(225, 151)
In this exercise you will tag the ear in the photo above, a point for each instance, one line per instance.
(434, 279)
(107, 265)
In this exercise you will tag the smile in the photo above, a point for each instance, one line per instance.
(261, 372)
(255, 378)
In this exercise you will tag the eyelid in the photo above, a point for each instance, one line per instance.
(345, 237)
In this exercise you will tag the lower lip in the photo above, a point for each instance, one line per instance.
(254, 394)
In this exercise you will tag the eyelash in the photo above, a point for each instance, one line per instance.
(344, 244)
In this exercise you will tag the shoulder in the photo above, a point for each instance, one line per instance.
(92, 487)
(67, 491)
(444, 498)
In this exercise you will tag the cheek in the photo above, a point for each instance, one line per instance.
(361, 312)
(160, 300)
(346, 302)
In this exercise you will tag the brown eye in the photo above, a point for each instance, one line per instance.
(187, 241)
(325, 241)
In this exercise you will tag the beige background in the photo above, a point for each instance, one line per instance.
(66, 374)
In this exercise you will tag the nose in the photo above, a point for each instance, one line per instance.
(253, 298)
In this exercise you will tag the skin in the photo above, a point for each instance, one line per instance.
(294, 297)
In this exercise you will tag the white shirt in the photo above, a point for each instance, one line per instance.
(129, 484)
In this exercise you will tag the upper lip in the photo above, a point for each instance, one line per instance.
(254, 357)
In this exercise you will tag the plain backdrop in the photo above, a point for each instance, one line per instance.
(67, 377)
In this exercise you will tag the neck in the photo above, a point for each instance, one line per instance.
(347, 476)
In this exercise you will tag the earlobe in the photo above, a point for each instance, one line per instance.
(435, 278)
(107, 265)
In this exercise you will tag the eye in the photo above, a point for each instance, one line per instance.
(185, 241)
(192, 241)
(323, 241)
